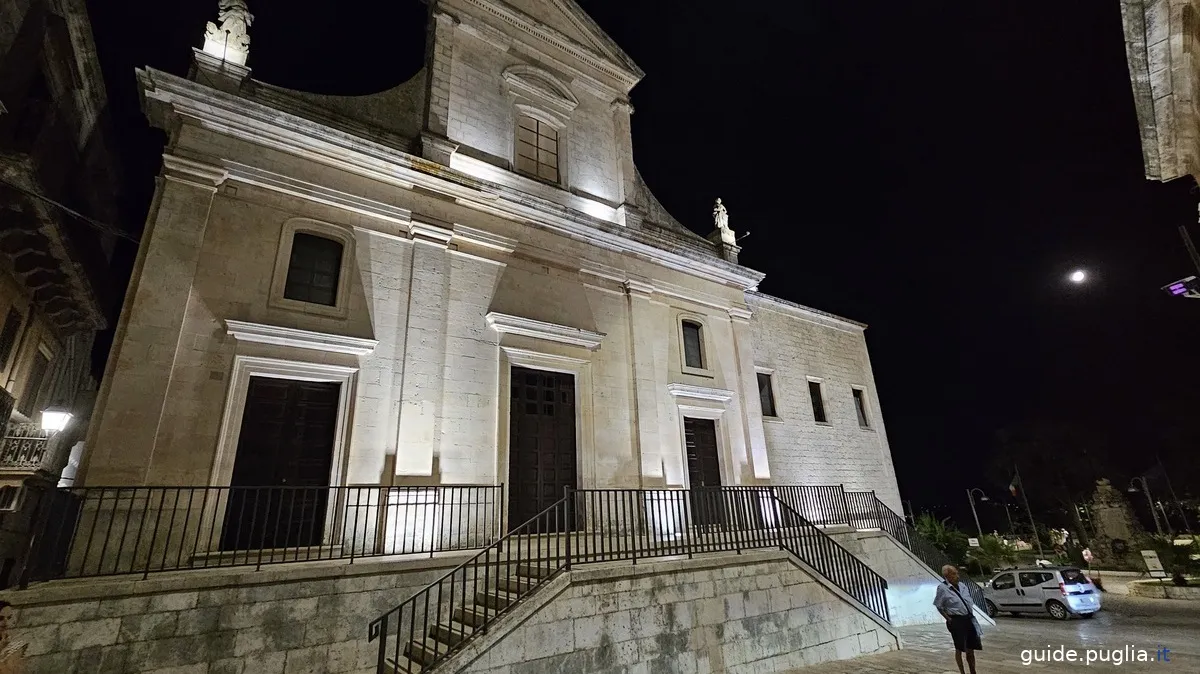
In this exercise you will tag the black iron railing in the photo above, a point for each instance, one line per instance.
(824, 505)
(105, 531)
(605, 525)
(886, 519)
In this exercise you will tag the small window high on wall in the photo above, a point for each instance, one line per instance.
(537, 149)
(860, 406)
(693, 349)
(314, 269)
(818, 402)
(766, 395)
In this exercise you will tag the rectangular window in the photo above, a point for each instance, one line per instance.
(693, 353)
(818, 403)
(33, 385)
(537, 148)
(314, 270)
(860, 406)
(766, 395)
(8, 336)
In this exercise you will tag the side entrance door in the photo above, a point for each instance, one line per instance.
(704, 471)
(541, 444)
(286, 449)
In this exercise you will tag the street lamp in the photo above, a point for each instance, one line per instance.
(55, 418)
(1149, 500)
(971, 499)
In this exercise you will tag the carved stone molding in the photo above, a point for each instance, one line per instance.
(191, 172)
(301, 339)
(551, 332)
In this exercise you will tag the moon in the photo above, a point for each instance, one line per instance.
(1078, 276)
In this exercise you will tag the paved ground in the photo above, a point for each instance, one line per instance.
(1125, 622)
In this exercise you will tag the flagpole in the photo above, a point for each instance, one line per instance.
(1032, 522)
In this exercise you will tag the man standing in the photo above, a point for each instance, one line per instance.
(954, 603)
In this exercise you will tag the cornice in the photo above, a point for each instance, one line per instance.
(551, 332)
(516, 19)
(805, 313)
(269, 127)
(699, 392)
(192, 172)
(302, 339)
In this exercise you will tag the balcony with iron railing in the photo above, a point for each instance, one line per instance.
(26, 449)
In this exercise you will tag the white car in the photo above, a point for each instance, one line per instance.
(1057, 590)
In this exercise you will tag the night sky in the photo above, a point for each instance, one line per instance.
(932, 169)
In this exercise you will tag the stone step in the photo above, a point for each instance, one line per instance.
(403, 666)
(451, 634)
(425, 651)
(495, 599)
(473, 616)
(533, 571)
(516, 585)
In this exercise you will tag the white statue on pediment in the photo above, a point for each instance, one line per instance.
(721, 219)
(229, 38)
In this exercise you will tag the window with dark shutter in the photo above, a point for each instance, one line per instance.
(693, 353)
(8, 336)
(314, 269)
(33, 385)
(818, 403)
(537, 148)
(766, 395)
(860, 406)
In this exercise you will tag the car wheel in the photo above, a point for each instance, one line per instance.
(991, 609)
(1057, 610)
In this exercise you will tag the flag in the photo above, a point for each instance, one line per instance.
(1016, 482)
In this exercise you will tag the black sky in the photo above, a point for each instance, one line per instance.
(932, 169)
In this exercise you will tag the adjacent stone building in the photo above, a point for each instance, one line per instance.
(57, 182)
(1161, 46)
(462, 280)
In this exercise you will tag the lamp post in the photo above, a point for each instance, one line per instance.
(971, 499)
(1149, 500)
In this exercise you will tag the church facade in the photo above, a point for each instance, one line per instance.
(462, 280)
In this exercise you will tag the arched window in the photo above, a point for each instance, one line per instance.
(314, 269)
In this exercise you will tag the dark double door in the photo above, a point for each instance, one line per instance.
(542, 449)
(279, 490)
(704, 471)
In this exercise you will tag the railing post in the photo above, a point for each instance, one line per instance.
(778, 517)
(568, 524)
(878, 512)
(845, 506)
(36, 530)
(381, 664)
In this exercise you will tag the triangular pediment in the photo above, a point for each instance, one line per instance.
(568, 18)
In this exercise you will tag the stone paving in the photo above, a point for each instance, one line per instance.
(1126, 621)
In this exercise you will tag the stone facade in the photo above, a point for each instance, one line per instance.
(759, 612)
(300, 619)
(54, 264)
(1161, 47)
(457, 267)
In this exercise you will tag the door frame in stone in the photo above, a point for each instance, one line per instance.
(245, 367)
(581, 369)
(700, 402)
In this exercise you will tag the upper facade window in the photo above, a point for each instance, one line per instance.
(314, 269)
(818, 402)
(31, 397)
(693, 345)
(860, 407)
(537, 149)
(8, 336)
(766, 396)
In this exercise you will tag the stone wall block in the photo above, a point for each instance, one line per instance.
(147, 627)
(79, 635)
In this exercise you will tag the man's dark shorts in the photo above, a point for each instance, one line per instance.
(962, 629)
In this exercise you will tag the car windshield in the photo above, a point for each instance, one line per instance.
(1073, 577)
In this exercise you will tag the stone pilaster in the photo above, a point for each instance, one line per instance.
(148, 333)
(756, 439)
(649, 380)
(439, 64)
(626, 170)
(424, 350)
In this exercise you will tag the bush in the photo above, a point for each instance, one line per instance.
(993, 553)
(944, 536)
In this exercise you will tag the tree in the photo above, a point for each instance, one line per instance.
(993, 553)
(944, 536)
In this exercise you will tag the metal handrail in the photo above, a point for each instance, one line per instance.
(604, 525)
(908, 536)
(436, 640)
(106, 531)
